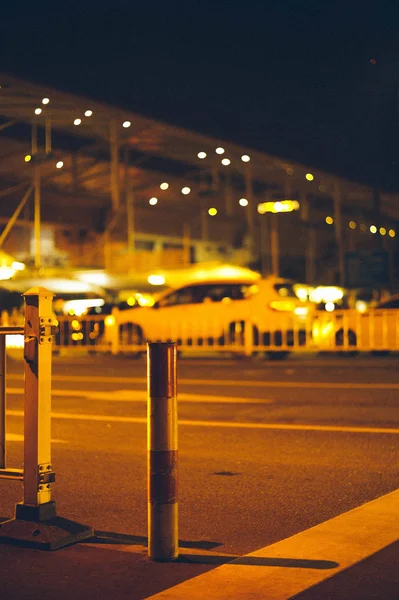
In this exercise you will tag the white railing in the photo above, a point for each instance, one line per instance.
(376, 330)
(99, 334)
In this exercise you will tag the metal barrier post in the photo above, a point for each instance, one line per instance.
(36, 523)
(37, 411)
(115, 331)
(248, 338)
(163, 541)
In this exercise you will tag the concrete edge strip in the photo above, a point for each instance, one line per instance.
(301, 561)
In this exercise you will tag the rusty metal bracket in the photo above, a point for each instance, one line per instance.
(46, 475)
(47, 330)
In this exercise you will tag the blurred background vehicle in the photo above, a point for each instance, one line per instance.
(219, 313)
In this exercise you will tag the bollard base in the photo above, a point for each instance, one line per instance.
(39, 527)
(40, 512)
(163, 541)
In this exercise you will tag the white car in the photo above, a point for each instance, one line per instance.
(374, 329)
(222, 313)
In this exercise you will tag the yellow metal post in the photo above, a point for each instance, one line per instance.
(37, 412)
(36, 523)
(163, 539)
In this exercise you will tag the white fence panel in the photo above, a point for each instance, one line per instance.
(346, 331)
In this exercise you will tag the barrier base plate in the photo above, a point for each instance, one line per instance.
(50, 534)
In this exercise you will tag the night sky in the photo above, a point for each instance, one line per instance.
(313, 81)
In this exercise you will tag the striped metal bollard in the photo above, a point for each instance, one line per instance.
(163, 542)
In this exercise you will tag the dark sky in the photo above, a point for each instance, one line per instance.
(312, 80)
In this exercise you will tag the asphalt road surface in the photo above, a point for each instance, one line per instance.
(266, 449)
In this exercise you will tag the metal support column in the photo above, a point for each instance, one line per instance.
(310, 254)
(310, 237)
(75, 171)
(11, 222)
(47, 126)
(115, 183)
(337, 196)
(250, 210)
(215, 179)
(130, 220)
(115, 191)
(204, 224)
(264, 257)
(34, 139)
(274, 244)
(186, 244)
(36, 215)
(228, 195)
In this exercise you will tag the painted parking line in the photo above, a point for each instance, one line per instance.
(238, 383)
(141, 396)
(291, 566)
(224, 424)
(19, 437)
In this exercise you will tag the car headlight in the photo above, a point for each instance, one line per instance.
(301, 311)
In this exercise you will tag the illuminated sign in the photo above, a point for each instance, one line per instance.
(278, 206)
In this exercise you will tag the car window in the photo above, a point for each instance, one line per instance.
(285, 290)
(186, 295)
(226, 291)
(214, 292)
(218, 292)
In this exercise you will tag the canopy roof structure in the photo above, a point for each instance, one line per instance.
(104, 149)
(93, 167)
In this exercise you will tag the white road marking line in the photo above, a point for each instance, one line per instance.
(227, 382)
(141, 396)
(283, 570)
(19, 437)
(225, 424)
(14, 437)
